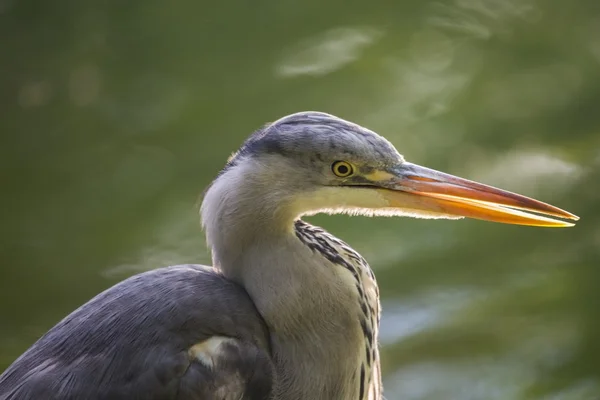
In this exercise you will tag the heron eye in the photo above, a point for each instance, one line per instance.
(342, 169)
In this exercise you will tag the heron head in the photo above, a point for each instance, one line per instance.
(311, 162)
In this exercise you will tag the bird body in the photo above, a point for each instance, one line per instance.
(288, 311)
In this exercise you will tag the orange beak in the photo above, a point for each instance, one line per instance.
(442, 193)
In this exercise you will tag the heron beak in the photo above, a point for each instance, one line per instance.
(435, 191)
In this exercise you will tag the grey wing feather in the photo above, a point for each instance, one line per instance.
(132, 341)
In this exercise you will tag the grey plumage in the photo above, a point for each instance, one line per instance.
(313, 138)
(288, 312)
(122, 343)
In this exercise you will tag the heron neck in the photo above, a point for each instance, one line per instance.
(305, 301)
(242, 212)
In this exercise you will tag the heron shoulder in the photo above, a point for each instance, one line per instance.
(136, 337)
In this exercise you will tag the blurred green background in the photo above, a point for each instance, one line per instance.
(115, 115)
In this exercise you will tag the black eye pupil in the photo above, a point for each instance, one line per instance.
(342, 169)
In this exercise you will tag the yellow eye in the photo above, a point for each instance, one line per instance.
(342, 169)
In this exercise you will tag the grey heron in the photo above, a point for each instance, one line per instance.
(288, 311)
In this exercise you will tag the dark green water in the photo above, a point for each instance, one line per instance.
(115, 115)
